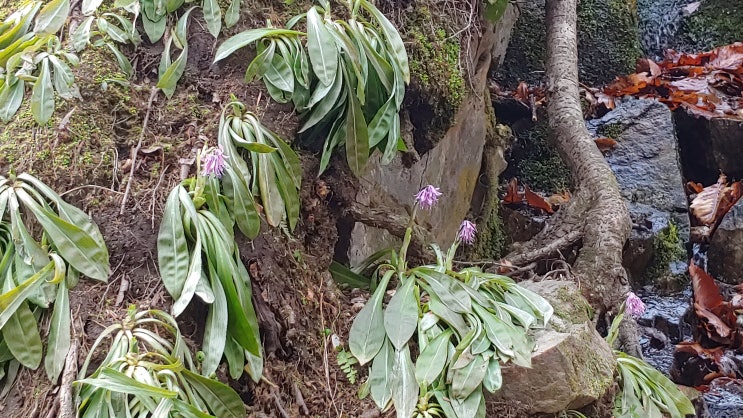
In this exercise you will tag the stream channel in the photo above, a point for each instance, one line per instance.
(669, 318)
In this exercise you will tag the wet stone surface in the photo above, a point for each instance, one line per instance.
(663, 326)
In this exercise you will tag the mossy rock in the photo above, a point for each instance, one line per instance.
(438, 84)
(538, 164)
(715, 23)
(668, 249)
(608, 42)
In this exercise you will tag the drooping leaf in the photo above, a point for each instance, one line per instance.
(430, 363)
(59, 334)
(42, 95)
(367, 334)
(322, 49)
(172, 247)
(173, 73)
(52, 17)
(76, 246)
(404, 386)
(401, 315)
(213, 16)
(21, 334)
(380, 375)
(246, 38)
(221, 400)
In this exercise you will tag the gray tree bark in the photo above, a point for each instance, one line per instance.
(596, 217)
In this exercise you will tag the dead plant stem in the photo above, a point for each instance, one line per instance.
(153, 94)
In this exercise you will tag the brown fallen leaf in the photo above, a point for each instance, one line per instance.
(605, 144)
(522, 93)
(649, 66)
(712, 203)
(694, 187)
(512, 193)
(709, 84)
(536, 201)
(706, 292)
(525, 196)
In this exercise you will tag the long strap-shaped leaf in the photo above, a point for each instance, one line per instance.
(10, 301)
(78, 248)
(322, 49)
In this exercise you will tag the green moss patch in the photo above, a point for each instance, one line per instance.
(608, 42)
(716, 23)
(668, 248)
(538, 163)
(438, 84)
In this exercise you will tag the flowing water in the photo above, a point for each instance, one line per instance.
(660, 21)
(666, 320)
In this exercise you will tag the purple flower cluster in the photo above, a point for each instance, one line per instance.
(428, 196)
(634, 305)
(213, 162)
(467, 232)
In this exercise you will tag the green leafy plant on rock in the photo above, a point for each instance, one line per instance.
(644, 391)
(34, 56)
(36, 271)
(347, 80)
(148, 371)
(467, 324)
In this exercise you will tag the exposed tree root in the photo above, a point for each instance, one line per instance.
(597, 215)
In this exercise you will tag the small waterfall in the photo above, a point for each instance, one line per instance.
(659, 21)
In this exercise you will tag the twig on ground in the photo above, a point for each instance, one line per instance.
(300, 399)
(153, 94)
(123, 287)
(66, 404)
(325, 351)
(154, 195)
(277, 401)
(90, 186)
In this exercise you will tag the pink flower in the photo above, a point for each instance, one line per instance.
(467, 232)
(213, 162)
(428, 196)
(634, 305)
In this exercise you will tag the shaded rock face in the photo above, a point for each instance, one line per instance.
(572, 365)
(453, 164)
(710, 146)
(646, 164)
(725, 252)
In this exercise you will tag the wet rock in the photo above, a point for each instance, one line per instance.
(519, 227)
(724, 399)
(572, 365)
(645, 162)
(608, 42)
(662, 326)
(725, 252)
(709, 146)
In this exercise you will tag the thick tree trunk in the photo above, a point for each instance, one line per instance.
(597, 216)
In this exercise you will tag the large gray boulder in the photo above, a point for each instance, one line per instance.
(572, 365)
(646, 164)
